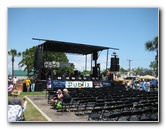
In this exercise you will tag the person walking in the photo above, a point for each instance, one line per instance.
(27, 83)
(33, 84)
(14, 80)
(153, 84)
(49, 82)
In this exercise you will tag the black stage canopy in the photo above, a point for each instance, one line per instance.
(69, 47)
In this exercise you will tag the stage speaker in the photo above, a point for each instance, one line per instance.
(111, 77)
(36, 59)
(38, 87)
(43, 74)
(98, 65)
(79, 78)
(115, 67)
(38, 62)
(95, 55)
(67, 78)
(114, 61)
(40, 53)
(76, 73)
(94, 71)
(93, 78)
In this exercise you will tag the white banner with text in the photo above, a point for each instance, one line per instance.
(77, 84)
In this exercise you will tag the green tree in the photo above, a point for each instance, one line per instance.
(153, 66)
(122, 70)
(152, 46)
(58, 57)
(138, 71)
(28, 60)
(13, 53)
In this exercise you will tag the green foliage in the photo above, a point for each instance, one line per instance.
(58, 57)
(153, 46)
(136, 71)
(122, 70)
(118, 74)
(154, 66)
(28, 60)
(55, 56)
(86, 72)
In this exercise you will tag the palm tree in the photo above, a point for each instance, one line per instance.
(13, 53)
(153, 46)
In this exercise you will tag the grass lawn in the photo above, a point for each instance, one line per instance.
(31, 113)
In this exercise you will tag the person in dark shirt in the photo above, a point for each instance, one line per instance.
(66, 99)
(57, 98)
(15, 100)
(66, 96)
(153, 84)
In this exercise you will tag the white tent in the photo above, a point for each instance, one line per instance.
(147, 77)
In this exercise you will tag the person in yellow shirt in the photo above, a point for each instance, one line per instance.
(27, 83)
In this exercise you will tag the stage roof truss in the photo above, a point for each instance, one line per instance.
(74, 48)
(68, 47)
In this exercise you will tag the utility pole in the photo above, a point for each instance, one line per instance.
(129, 64)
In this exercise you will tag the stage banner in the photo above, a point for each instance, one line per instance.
(58, 84)
(77, 84)
(106, 83)
(97, 84)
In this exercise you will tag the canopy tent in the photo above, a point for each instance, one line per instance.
(147, 77)
(119, 79)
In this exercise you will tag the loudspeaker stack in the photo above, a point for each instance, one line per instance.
(114, 64)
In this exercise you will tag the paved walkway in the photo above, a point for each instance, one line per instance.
(52, 115)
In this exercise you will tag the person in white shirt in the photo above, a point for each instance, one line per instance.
(14, 82)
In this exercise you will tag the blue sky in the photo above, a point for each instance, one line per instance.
(125, 28)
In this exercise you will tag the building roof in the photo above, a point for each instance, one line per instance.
(21, 73)
(69, 47)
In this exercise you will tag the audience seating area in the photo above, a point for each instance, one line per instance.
(113, 104)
